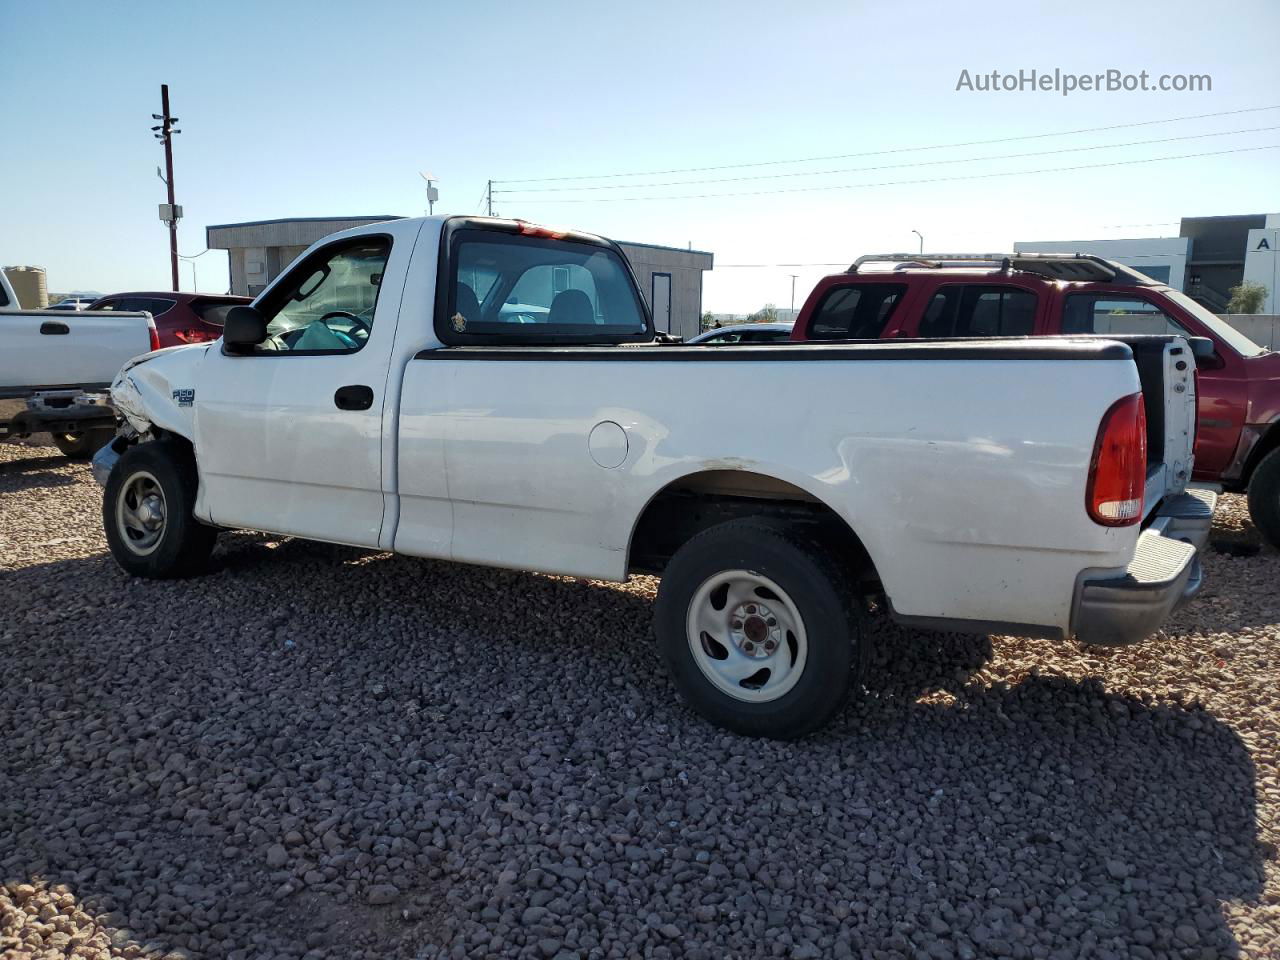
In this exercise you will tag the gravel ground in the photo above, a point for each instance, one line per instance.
(325, 753)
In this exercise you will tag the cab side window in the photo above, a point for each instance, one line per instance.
(326, 304)
(855, 312)
(1108, 313)
(972, 310)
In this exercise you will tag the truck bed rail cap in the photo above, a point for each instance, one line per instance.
(995, 348)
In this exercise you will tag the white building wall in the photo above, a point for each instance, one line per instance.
(1261, 263)
(1142, 253)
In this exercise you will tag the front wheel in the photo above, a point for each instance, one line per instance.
(1264, 497)
(84, 444)
(146, 513)
(756, 623)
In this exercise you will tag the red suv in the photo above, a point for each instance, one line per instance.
(1015, 295)
(180, 317)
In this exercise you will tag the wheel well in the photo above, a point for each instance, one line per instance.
(1268, 442)
(686, 507)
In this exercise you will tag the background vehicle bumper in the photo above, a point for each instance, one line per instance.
(1113, 609)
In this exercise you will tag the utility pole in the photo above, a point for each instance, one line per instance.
(489, 197)
(170, 213)
(432, 193)
(793, 295)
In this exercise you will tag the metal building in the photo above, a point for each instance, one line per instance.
(259, 250)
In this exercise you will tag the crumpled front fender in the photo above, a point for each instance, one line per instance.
(159, 390)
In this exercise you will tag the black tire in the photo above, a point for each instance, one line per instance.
(815, 586)
(182, 543)
(83, 445)
(1264, 497)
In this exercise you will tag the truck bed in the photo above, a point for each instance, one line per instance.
(67, 350)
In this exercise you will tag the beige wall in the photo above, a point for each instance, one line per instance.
(685, 267)
(1262, 329)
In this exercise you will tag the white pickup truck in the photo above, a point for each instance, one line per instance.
(378, 394)
(55, 368)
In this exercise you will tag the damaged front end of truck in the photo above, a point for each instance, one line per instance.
(154, 396)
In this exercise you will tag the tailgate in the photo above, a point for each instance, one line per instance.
(1166, 368)
(57, 348)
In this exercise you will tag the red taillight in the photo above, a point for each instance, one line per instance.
(155, 334)
(1118, 470)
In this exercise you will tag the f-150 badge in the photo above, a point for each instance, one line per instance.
(459, 322)
(184, 398)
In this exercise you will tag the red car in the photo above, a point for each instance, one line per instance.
(1012, 295)
(180, 317)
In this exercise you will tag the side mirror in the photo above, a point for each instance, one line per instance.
(244, 328)
(1206, 356)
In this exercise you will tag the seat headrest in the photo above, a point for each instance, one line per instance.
(571, 307)
(467, 303)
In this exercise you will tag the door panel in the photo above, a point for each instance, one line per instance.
(290, 435)
(276, 452)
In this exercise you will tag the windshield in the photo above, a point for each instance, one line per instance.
(1221, 329)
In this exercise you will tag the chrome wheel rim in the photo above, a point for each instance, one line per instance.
(747, 636)
(141, 512)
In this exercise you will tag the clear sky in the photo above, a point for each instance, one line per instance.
(332, 108)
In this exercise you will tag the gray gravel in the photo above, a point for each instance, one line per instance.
(325, 753)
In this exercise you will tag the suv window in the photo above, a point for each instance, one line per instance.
(152, 305)
(972, 310)
(326, 304)
(1111, 313)
(213, 311)
(855, 312)
(529, 289)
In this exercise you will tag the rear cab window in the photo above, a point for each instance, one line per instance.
(855, 311)
(510, 288)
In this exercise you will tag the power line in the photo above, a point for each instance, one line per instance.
(892, 166)
(875, 153)
(898, 183)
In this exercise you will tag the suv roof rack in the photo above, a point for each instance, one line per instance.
(1053, 266)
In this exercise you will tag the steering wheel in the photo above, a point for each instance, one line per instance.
(346, 314)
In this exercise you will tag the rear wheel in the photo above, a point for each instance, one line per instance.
(146, 513)
(85, 443)
(1264, 497)
(756, 623)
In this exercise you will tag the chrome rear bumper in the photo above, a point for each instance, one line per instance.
(1122, 608)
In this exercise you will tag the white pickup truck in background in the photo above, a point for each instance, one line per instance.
(378, 395)
(56, 366)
